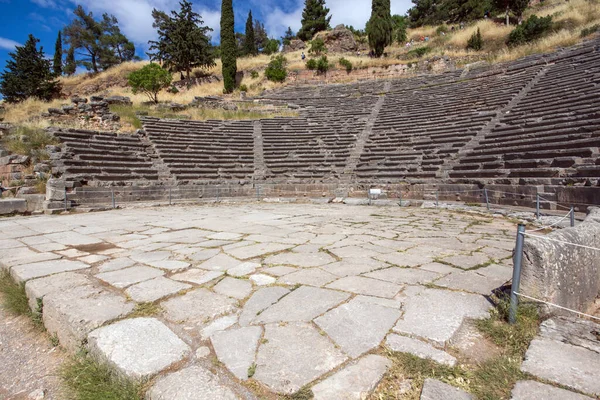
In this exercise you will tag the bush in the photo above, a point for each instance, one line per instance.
(150, 80)
(311, 64)
(30, 142)
(173, 89)
(588, 31)
(276, 70)
(475, 42)
(254, 74)
(243, 88)
(272, 47)
(442, 29)
(532, 29)
(418, 52)
(322, 65)
(346, 64)
(317, 47)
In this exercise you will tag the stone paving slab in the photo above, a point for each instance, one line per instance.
(155, 289)
(23, 255)
(197, 276)
(232, 287)
(353, 267)
(465, 261)
(219, 324)
(170, 265)
(310, 276)
(279, 270)
(406, 259)
(36, 289)
(355, 381)
(22, 273)
(236, 349)
(366, 286)
(243, 269)
(257, 250)
(190, 383)
(358, 326)
(139, 348)
(293, 356)
(302, 260)
(436, 390)
(128, 276)
(220, 262)
(260, 300)
(470, 281)
(532, 390)
(198, 306)
(419, 348)
(401, 276)
(73, 239)
(262, 279)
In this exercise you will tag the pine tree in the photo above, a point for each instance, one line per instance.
(249, 39)
(183, 43)
(289, 35)
(70, 65)
(57, 66)
(260, 35)
(314, 19)
(380, 26)
(28, 74)
(228, 48)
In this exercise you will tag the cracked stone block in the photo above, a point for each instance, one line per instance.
(257, 250)
(420, 349)
(353, 252)
(22, 273)
(411, 276)
(93, 259)
(139, 348)
(355, 381)
(468, 261)
(438, 268)
(198, 306)
(150, 256)
(38, 288)
(294, 355)
(203, 255)
(170, 265)
(353, 267)
(471, 281)
(436, 390)
(260, 300)
(236, 288)
(155, 289)
(406, 259)
(366, 286)
(126, 277)
(303, 304)
(115, 264)
(436, 315)
(532, 390)
(262, 279)
(220, 324)
(191, 383)
(197, 276)
(73, 239)
(236, 348)
(71, 314)
(302, 260)
(279, 270)
(358, 326)
(309, 276)
(243, 269)
(220, 262)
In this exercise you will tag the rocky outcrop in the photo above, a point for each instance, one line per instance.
(212, 102)
(295, 45)
(339, 40)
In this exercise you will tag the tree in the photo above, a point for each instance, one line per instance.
(434, 12)
(183, 42)
(380, 26)
(475, 42)
(532, 29)
(228, 49)
(70, 65)
(260, 35)
(28, 74)
(289, 36)
(516, 6)
(314, 19)
(57, 66)
(276, 70)
(400, 23)
(317, 46)
(150, 80)
(99, 44)
(272, 47)
(249, 40)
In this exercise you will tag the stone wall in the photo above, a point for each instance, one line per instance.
(564, 274)
(92, 114)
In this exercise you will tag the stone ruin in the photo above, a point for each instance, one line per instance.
(94, 113)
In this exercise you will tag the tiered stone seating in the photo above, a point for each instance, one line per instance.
(105, 157)
(204, 150)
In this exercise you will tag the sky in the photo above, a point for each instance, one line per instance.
(44, 18)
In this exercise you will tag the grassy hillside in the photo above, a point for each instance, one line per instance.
(570, 18)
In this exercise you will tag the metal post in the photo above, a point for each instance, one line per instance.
(487, 199)
(400, 195)
(437, 198)
(572, 216)
(516, 278)
(112, 194)
(537, 205)
(170, 197)
(66, 201)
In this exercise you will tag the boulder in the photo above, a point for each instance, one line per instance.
(339, 40)
(78, 100)
(55, 190)
(95, 99)
(55, 111)
(118, 100)
(295, 45)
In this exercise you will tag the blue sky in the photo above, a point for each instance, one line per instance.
(44, 18)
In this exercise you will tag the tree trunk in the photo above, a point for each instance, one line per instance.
(507, 17)
(94, 65)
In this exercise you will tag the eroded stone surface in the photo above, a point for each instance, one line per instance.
(243, 269)
(236, 348)
(38, 288)
(260, 300)
(311, 277)
(24, 272)
(190, 383)
(301, 259)
(125, 277)
(532, 390)
(155, 289)
(403, 275)
(232, 287)
(436, 390)
(197, 276)
(198, 306)
(366, 286)
(220, 324)
(418, 348)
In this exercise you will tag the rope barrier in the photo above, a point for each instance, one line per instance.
(560, 241)
(555, 305)
(554, 224)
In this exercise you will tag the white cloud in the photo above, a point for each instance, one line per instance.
(8, 44)
(45, 3)
(277, 21)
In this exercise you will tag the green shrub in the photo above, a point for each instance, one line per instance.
(272, 46)
(419, 52)
(442, 29)
(317, 46)
(311, 64)
(30, 142)
(173, 89)
(243, 88)
(276, 70)
(150, 80)
(588, 31)
(346, 64)
(530, 30)
(475, 42)
(254, 74)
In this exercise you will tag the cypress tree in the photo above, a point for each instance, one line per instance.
(70, 65)
(58, 51)
(314, 19)
(28, 74)
(380, 26)
(249, 39)
(228, 47)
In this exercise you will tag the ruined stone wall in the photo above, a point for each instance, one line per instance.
(561, 273)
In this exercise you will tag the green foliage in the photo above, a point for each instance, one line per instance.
(271, 47)
(418, 52)
(530, 30)
(228, 47)
(57, 66)
(30, 142)
(250, 48)
(356, 32)
(261, 39)
(254, 74)
(173, 89)
(317, 47)
(346, 64)
(442, 29)
(276, 70)
(150, 80)
(100, 44)
(27, 74)
(287, 38)
(70, 65)
(243, 88)
(322, 65)
(475, 42)
(87, 379)
(314, 19)
(590, 30)
(380, 26)
(183, 42)
(516, 6)
(435, 12)
(311, 64)
(400, 24)
(14, 298)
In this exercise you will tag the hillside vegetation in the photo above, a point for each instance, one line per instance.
(573, 21)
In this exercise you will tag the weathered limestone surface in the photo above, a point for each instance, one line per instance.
(419, 348)
(139, 347)
(197, 306)
(532, 390)
(232, 287)
(190, 383)
(563, 274)
(259, 301)
(155, 289)
(128, 276)
(36, 289)
(366, 286)
(24, 272)
(236, 348)
(436, 390)
(10, 206)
